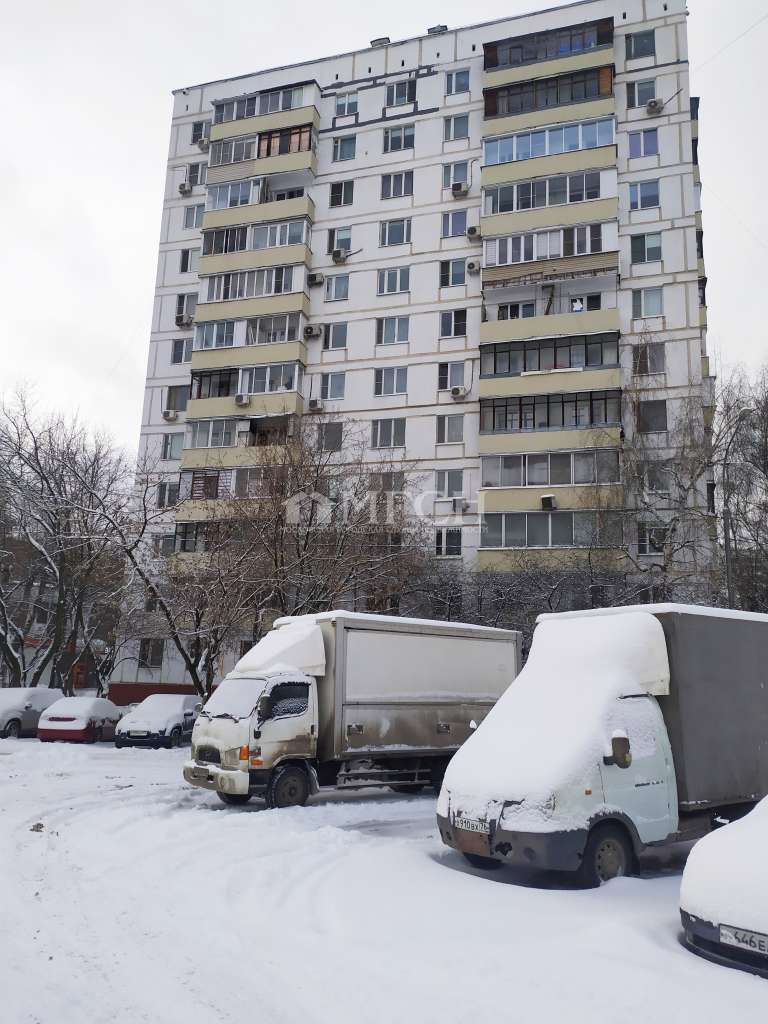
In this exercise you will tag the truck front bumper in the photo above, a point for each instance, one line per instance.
(546, 851)
(213, 776)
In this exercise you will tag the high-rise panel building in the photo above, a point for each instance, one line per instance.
(484, 243)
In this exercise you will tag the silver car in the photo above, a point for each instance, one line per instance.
(21, 707)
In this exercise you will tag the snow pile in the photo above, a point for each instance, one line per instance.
(554, 723)
(726, 878)
(298, 644)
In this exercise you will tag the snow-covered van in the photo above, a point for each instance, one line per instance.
(21, 707)
(626, 728)
(160, 720)
(348, 700)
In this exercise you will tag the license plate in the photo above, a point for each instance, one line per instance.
(754, 942)
(472, 825)
(137, 735)
(199, 773)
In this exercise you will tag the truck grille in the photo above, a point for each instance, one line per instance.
(208, 755)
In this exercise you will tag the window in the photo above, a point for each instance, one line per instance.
(181, 350)
(171, 446)
(285, 140)
(515, 310)
(225, 240)
(528, 195)
(340, 238)
(399, 93)
(188, 260)
(643, 195)
(651, 540)
(217, 384)
(186, 304)
(702, 289)
(549, 141)
(647, 302)
(456, 173)
(280, 99)
(398, 138)
(509, 358)
(252, 482)
(449, 483)
(450, 429)
(393, 186)
(163, 545)
(644, 143)
(523, 97)
(258, 380)
(167, 493)
(550, 470)
(453, 323)
(550, 412)
(177, 397)
(388, 433)
(648, 357)
(656, 478)
(337, 287)
(193, 216)
(233, 151)
(151, 653)
(450, 375)
(290, 232)
(237, 193)
(216, 334)
(456, 127)
(332, 385)
(454, 224)
(391, 329)
(652, 416)
(543, 245)
(335, 336)
(397, 279)
(329, 437)
(391, 380)
(452, 272)
(190, 537)
(208, 483)
(389, 482)
(200, 130)
(646, 248)
(266, 330)
(342, 193)
(547, 45)
(197, 173)
(247, 284)
(700, 244)
(638, 93)
(456, 82)
(448, 542)
(640, 44)
(584, 303)
(346, 104)
(211, 434)
(395, 232)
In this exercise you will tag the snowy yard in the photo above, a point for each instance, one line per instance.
(129, 897)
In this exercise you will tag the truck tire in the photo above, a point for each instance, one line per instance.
(234, 799)
(288, 787)
(608, 854)
(12, 730)
(484, 863)
(175, 738)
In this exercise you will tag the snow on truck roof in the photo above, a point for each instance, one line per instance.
(401, 620)
(658, 609)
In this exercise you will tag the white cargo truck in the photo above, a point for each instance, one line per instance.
(627, 728)
(348, 700)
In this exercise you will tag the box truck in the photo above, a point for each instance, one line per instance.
(627, 728)
(348, 700)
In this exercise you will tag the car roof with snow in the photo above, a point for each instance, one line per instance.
(81, 704)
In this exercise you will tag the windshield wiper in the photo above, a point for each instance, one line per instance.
(226, 714)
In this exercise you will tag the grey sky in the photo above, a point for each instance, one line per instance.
(86, 99)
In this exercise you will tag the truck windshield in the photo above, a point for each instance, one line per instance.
(234, 698)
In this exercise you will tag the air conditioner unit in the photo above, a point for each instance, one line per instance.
(315, 279)
(460, 504)
(459, 189)
(548, 502)
(203, 144)
(473, 266)
(170, 415)
(315, 405)
(183, 320)
(458, 391)
(339, 255)
(184, 188)
(242, 399)
(654, 106)
(313, 331)
(473, 232)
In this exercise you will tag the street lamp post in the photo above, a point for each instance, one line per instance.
(741, 416)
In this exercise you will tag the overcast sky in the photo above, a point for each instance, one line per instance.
(86, 87)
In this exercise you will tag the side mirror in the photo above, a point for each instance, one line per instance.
(199, 706)
(621, 754)
(473, 725)
(27, 707)
(265, 707)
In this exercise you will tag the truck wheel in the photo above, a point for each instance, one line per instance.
(234, 799)
(484, 863)
(407, 790)
(12, 730)
(175, 737)
(289, 787)
(608, 854)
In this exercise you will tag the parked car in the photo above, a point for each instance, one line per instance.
(161, 720)
(20, 709)
(79, 720)
(724, 894)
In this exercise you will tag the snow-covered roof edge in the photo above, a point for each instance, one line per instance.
(657, 609)
(375, 619)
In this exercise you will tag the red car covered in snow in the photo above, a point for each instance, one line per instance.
(79, 720)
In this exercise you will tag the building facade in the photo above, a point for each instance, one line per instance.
(485, 244)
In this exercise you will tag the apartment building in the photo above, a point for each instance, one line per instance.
(478, 242)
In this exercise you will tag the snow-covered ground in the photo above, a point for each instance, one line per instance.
(128, 897)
